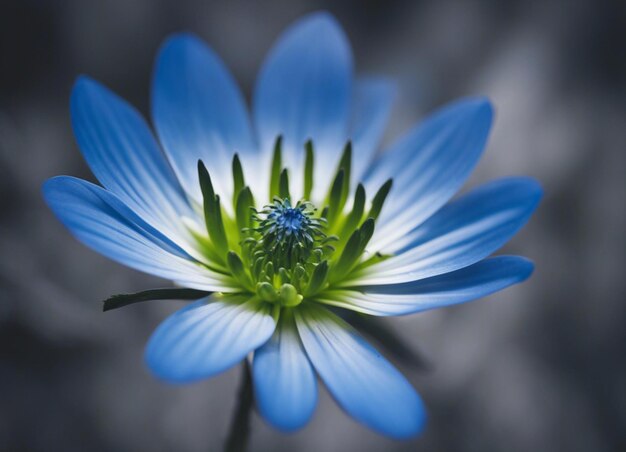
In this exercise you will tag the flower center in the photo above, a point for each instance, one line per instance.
(285, 247)
(288, 235)
(287, 252)
(289, 221)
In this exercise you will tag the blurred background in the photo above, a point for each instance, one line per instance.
(538, 367)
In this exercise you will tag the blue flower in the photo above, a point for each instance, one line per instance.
(277, 215)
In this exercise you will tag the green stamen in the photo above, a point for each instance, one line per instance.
(355, 215)
(245, 202)
(379, 199)
(334, 199)
(353, 250)
(289, 296)
(318, 279)
(238, 179)
(308, 169)
(236, 267)
(277, 165)
(283, 185)
(212, 213)
(345, 164)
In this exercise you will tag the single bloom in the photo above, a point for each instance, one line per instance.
(280, 218)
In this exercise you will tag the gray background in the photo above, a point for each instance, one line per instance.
(539, 367)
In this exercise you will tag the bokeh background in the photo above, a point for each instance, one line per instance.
(539, 367)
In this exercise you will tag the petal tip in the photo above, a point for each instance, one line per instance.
(48, 188)
(291, 425)
(86, 91)
(53, 186)
(49, 184)
(476, 111)
(530, 186)
(517, 267)
(537, 188)
(83, 80)
(181, 38)
(164, 370)
(476, 106)
(528, 267)
(418, 427)
(82, 86)
(320, 19)
(409, 426)
(179, 47)
(167, 374)
(484, 107)
(316, 24)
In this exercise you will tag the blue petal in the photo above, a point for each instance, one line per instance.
(460, 234)
(428, 166)
(303, 91)
(470, 283)
(208, 337)
(371, 108)
(284, 381)
(364, 383)
(199, 113)
(122, 153)
(102, 222)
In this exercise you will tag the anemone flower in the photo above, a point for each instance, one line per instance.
(276, 221)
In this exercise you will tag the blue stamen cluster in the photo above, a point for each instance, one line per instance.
(288, 234)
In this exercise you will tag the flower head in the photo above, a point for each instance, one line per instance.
(281, 219)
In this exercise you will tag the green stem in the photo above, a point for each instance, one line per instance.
(237, 440)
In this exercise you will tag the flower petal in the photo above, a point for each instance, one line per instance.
(470, 283)
(428, 166)
(303, 91)
(284, 381)
(102, 222)
(208, 337)
(199, 113)
(460, 234)
(371, 108)
(123, 154)
(364, 383)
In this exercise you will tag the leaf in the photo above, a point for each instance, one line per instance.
(121, 300)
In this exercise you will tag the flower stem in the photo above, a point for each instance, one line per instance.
(237, 440)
